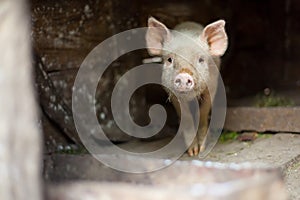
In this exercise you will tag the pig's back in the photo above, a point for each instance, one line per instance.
(189, 28)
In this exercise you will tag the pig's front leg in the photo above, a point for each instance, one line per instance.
(189, 127)
(203, 122)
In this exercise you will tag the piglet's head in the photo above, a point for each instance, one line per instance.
(186, 57)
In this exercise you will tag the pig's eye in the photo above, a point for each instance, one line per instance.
(201, 60)
(170, 60)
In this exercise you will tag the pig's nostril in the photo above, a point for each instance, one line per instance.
(189, 82)
(178, 82)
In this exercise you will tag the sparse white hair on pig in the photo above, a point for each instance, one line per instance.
(188, 53)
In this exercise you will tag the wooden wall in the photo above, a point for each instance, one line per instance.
(263, 42)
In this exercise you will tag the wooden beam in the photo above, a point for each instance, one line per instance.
(20, 140)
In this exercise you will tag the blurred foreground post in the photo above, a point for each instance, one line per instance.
(20, 145)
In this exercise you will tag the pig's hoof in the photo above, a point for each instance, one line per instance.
(194, 149)
(202, 148)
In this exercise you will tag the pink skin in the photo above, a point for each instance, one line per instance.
(206, 42)
(184, 82)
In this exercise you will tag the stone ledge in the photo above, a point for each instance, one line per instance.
(275, 119)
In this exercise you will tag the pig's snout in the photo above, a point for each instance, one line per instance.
(184, 82)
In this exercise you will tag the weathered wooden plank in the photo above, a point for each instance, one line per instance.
(20, 140)
(52, 103)
(277, 119)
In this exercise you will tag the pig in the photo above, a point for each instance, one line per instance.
(187, 68)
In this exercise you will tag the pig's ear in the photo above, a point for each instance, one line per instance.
(216, 37)
(156, 35)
